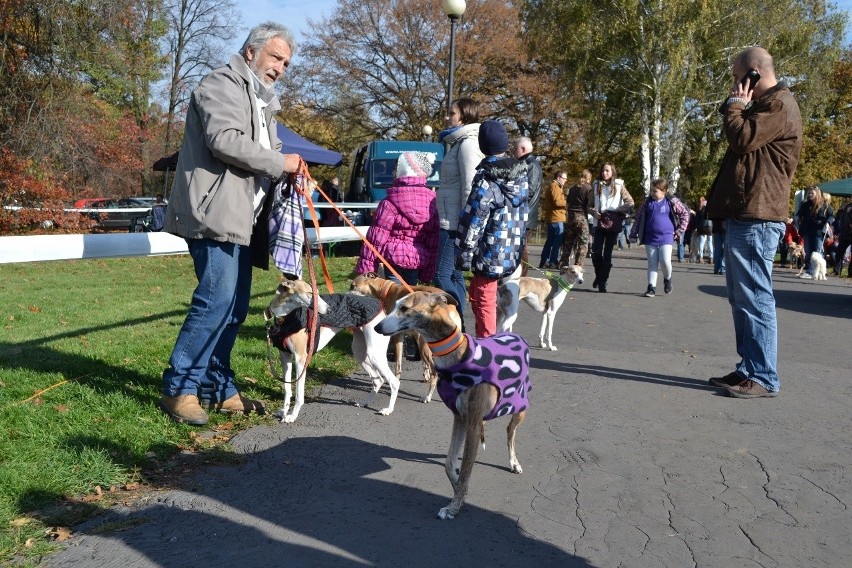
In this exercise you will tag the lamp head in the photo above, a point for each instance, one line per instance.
(454, 9)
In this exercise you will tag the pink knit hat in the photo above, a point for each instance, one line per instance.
(415, 164)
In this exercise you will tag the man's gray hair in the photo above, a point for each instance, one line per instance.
(262, 33)
(525, 142)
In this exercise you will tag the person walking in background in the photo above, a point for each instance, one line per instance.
(814, 217)
(658, 220)
(492, 225)
(461, 158)
(554, 214)
(228, 159)
(611, 199)
(704, 228)
(523, 152)
(579, 203)
(751, 193)
(405, 227)
(686, 239)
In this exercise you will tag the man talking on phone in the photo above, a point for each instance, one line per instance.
(751, 196)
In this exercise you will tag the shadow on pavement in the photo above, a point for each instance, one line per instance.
(624, 374)
(312, 501)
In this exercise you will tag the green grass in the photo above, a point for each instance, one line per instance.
(82, 348)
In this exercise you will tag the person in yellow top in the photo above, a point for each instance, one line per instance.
(554, 214)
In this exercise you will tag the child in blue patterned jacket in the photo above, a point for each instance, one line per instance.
(492, 224)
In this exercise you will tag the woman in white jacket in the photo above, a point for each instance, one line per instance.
(461, 158)
(610, 195)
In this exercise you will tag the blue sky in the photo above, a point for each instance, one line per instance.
(292, 13)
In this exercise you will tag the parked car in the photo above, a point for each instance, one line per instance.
(120, 214)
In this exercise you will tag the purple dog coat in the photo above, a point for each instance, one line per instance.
(502, 360)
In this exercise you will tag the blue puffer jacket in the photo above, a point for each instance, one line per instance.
(492, 224)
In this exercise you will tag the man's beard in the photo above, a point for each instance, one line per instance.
(264, 80)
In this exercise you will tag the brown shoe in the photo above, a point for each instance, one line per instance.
(729, 380)
(750, 389)
(184, 408)
(238, 403)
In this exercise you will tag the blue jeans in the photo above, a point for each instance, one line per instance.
(749, 251)
(681, 245)
(719, 252)
(447, 278)
(552, 245)
(200, 363)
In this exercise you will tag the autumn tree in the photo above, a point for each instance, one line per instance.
(379, 67)
(198, 33)
(76, 88)
(662, 67)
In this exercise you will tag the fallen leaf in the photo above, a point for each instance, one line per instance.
(61, 408)
(131, 486)
(34, 309)
(29, 543)
(20, 521)
(98, 490)
(90, 498)
(250, 380)
(58, 534)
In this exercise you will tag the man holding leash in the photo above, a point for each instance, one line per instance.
(228, 160)
(751, 194)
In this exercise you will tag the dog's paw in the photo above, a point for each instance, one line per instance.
(290, 418)
(446, 513)
(281, 413)
(552, 348)
(386, 411)
(516, 468)
(426, 399)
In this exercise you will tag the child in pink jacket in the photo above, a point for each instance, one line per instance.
(405, 227)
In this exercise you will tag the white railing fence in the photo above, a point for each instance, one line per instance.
(38, 248)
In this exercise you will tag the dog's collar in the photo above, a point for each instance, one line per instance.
(448, 344)
(385, 290)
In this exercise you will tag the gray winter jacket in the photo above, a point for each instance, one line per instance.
(457, 170)
(221, 158)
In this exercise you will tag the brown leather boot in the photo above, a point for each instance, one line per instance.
(238, 403)
(184, 408)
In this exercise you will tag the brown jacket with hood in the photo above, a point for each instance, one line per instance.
(764, 141)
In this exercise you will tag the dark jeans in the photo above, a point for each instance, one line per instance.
(447, 278)
(602, 246)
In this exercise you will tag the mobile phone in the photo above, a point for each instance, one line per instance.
(752, 77)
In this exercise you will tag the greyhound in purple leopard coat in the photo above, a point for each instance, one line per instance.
(501, 360)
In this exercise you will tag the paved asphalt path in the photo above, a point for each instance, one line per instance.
(629, 458)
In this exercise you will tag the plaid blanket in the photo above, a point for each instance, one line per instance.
(286, 231)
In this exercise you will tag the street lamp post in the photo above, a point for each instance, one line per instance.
(454, 9)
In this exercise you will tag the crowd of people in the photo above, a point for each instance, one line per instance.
(479, 218)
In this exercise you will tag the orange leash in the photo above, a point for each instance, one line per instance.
(369, 245)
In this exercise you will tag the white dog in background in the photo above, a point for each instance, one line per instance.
(818, 264)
